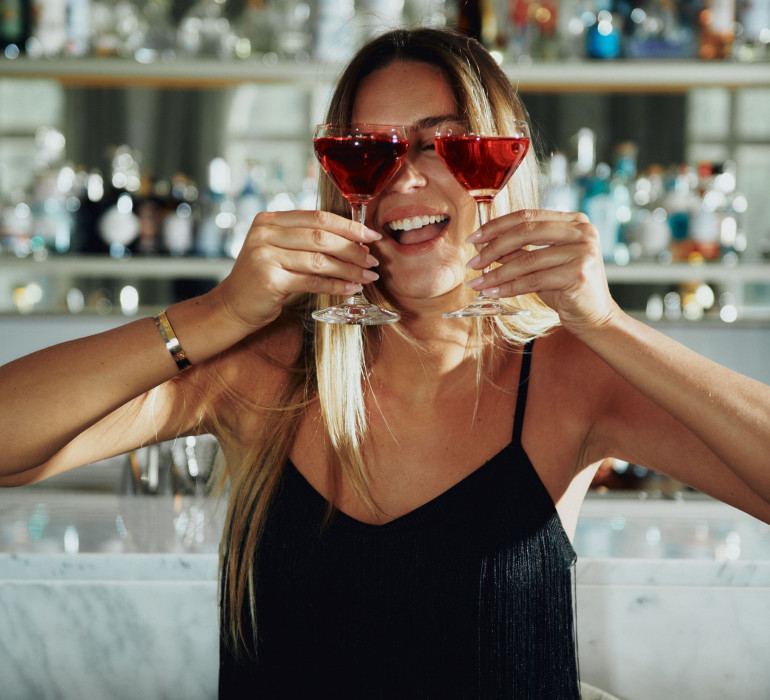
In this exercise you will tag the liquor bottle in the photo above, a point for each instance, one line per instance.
(248, 204)
(705, 216)
(255, 29)
(14, 27)
(649, 232)
(717, 29)
(217, 212)
(294, 37)
(178, 225)
(559, 194)
(603, 37)
(754, 20)
(335, 31)
(78, 38)
(572, 26)
(205, 31)
(49, 28)
(655, 30)
(520, 30)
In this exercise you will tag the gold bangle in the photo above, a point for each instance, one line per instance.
(171, 341)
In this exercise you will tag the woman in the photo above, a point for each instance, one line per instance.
(455, 454)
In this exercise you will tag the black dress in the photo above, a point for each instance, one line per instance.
(468, 596)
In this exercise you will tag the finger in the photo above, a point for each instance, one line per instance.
(318, 220)
(524, 221)
(542, 235)
(329, 267)
(539, 281)
(321, 242)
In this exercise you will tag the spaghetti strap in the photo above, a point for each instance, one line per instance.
(521, 398)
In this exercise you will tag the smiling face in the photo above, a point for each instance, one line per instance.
(424, 214)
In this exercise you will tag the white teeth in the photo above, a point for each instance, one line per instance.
(416, 222)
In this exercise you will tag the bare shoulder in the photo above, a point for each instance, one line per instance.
(566, 362)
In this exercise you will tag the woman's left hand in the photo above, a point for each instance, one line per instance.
(567, 273)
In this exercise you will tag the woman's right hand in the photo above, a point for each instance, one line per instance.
(294, 252)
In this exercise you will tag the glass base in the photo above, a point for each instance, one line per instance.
(356, 313)
(486, 307)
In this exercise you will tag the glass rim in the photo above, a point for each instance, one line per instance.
(360, 126)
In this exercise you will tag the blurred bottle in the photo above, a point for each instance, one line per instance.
(575, 16)
(217, 212)
(294, 36)
(705, 216)
(596, 201)
(520, 30)
(559, 194)
(335, 31)
(119, 224)
(15, 21)
(49, 28)
(717, 29)
(178, 225)
(205, 31)
(649, 230)
(248, 204)
(603, 36)
(255, 29)
(281, 198)
(655, 30)
(546, 37)
(159, 40)
(754, 21)
(678, 201)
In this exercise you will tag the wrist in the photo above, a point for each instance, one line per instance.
(204, 327)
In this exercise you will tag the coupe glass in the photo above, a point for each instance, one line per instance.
(360, 159)
(482, 164)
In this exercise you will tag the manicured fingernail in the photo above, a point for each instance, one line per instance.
(353, 287)
(371, 234)
(473, 261)
(371, 261)
(492, 292)
(370, 275)
(475, 236)
(476, 283)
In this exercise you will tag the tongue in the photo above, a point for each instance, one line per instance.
(420, 235)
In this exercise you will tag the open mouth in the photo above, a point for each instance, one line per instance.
(417, 229)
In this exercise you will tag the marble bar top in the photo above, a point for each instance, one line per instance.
(106, 596)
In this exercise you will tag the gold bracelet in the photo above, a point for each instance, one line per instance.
(171, 341)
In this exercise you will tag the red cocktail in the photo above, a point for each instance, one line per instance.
(482, 164)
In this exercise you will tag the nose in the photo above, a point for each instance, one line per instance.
(408, 177)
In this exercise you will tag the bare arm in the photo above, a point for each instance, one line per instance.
(712, 425)
(72, 403)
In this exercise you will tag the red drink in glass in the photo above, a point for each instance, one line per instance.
(360, 166)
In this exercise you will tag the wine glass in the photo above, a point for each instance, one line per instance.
(482, 164)
(360, 159)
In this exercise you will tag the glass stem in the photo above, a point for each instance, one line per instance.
(485, 214)
(359, 215)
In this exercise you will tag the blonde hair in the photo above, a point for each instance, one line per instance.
(333, 369)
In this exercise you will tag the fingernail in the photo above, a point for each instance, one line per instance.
(475, 283)
(492, 292)
(473, 261)
(353, 287)
(370, 275)
(371, 234)
(371, 261)
(475, 236)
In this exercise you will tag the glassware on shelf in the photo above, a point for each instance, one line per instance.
(205, 31)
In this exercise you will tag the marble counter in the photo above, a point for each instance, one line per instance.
(114, 597)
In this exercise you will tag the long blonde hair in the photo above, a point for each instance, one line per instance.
(332, 365)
